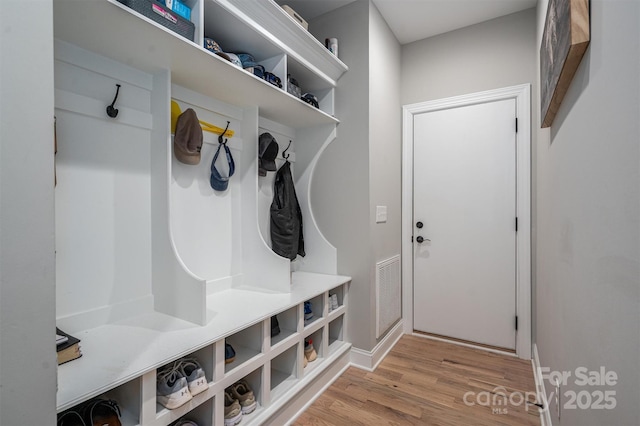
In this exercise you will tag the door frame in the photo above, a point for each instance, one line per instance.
(522, 95)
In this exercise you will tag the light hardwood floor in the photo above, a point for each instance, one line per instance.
(424, 382)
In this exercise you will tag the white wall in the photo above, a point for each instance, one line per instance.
(588, 271)
(27, 282)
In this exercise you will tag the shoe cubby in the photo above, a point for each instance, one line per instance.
(317, 311)
(128, 398)
(283, 372)
(336, 333)
(317, 341)
(247, 344)
(288, 324)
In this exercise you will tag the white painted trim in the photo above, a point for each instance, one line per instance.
(545, 414)
(369, 360)
(521, 94)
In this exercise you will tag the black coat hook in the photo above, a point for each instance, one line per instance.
(224, 133)
(286, 157)
(111, 110)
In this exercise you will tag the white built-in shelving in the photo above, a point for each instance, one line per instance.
(152, 264)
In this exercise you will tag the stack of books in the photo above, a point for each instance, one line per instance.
(68, 347)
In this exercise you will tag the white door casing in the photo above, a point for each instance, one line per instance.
(520, 96)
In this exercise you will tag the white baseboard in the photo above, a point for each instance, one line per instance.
(369, 360)
(545, 415)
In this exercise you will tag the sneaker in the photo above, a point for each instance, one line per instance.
(172, 388)
(241, 391)
(232, 410)
(309, 351)
(275, 326)
(308, 312)
(229, 353)
(191, 370)
(333, 302)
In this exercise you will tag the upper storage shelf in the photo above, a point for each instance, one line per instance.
(143, 44)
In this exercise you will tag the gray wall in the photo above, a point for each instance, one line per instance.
(385, 136)
(490, 55)
(27, 282)
(588, 270)
(361, 168)
(340, 186)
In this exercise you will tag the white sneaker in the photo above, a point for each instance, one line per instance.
(172, 389)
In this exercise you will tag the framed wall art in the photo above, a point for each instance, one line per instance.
(564, 41)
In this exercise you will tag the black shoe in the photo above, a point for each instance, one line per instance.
(275, 327)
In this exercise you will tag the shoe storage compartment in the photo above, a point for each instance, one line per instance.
(336, 334)
(283, 372)
(288, 323)
(317, 310)
(247, 344)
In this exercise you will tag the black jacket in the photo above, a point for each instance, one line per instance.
(286, 217)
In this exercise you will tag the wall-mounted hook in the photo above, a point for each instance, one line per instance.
(111, 110)
(224, 133)
(284, 153)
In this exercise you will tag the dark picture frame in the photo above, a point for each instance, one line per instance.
(564, 41)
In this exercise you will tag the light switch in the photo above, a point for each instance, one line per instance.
(381, 214)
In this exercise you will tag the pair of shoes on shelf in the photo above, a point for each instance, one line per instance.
(333, 302)
(229, 354)
(178, 382)
(310, 353)
(308, 312)
(239, 400)
(95, 411)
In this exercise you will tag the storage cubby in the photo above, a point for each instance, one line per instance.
(288, 323)
(283, 372)
(336, 333)
(255, 379)
(127, 396)
(317, 309)
(318, 343)
(203, 414)
(247, 344)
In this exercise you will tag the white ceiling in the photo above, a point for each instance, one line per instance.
(412, 20)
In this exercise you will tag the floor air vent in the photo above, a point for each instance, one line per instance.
(388, 295)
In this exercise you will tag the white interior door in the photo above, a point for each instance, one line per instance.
(465, 198)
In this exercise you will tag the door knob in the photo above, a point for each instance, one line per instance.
(422, 240)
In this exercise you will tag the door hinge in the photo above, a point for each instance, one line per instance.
(516, 224)
(516, 124)
(516, 323)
